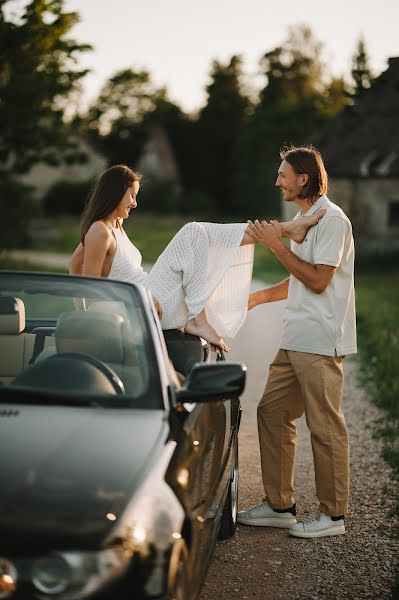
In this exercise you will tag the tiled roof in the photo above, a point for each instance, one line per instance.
(364, 140)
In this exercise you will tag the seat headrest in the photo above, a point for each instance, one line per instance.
(12, 316)
(94, 333)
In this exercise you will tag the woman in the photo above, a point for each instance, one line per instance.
(201, 280)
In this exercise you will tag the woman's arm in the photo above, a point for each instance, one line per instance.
(97, 242)
(76, 262)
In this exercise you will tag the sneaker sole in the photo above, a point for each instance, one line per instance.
(268, 522)
(339, 530)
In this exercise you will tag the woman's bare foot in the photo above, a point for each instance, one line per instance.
(299, 228)
(199, 326)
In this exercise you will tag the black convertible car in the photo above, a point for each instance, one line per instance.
(118, 469)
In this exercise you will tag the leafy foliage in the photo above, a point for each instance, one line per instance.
(296, 101)
(115, 120)
(220, 125)
(361, 72)
(19, 210)
(227, 155)
(119, 123)
(377, 290)
(37, 75)
(66, 197)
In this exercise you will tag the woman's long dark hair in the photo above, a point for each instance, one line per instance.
(106, 195)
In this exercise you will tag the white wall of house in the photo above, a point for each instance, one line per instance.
(41, 176)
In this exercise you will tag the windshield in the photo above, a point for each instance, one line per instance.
(75, 340)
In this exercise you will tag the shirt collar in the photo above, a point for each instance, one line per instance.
(320, 202)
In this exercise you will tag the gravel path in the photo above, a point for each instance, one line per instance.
(267, 563)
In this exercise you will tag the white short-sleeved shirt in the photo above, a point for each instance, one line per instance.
(323, 323)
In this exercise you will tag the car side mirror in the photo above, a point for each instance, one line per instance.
(213, 382)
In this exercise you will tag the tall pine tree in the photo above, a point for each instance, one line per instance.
(220, 126)
(361, 72)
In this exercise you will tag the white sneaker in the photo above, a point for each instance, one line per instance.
(317, 524)
(263, 515)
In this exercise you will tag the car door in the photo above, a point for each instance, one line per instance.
(195, 471)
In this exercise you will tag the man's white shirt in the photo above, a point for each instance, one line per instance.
(323, 323)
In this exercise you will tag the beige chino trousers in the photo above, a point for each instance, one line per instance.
(312, 383)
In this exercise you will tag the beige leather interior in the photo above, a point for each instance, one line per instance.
(16, 347)
(102, 335)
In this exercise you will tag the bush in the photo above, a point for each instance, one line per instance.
(160, 196)
(17, 198)
(377, 293)
(66, 198)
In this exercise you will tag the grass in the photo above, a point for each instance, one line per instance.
(12, 264)
(377, 303)
(377, 299)
(150, 234)
(267, 267)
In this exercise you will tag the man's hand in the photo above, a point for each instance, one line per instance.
(266, 234)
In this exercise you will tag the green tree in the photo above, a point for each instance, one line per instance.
(335, 98)
(37, 75)
(293, 70)
(297, 100)
(361, 72)
(115, 121)
(182, 133)
(220, 126)
(128, 108)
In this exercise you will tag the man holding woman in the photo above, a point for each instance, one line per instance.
(201, 282)
(202, 278)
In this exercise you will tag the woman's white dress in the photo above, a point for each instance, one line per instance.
(203, 266)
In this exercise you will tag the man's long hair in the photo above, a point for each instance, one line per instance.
(308, 160)
(106, 195)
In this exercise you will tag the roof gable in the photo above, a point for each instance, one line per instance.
(364, 140)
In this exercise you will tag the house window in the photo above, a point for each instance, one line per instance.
(393, 214)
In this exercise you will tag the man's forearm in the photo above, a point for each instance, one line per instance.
(315, 277)
(305, 272)
(273, 293)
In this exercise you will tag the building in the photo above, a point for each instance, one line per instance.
(360, 148)
(41, 177)
(157, 160)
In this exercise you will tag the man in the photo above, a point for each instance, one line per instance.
(319, 329)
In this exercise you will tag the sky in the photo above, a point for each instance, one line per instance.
(176, 41)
